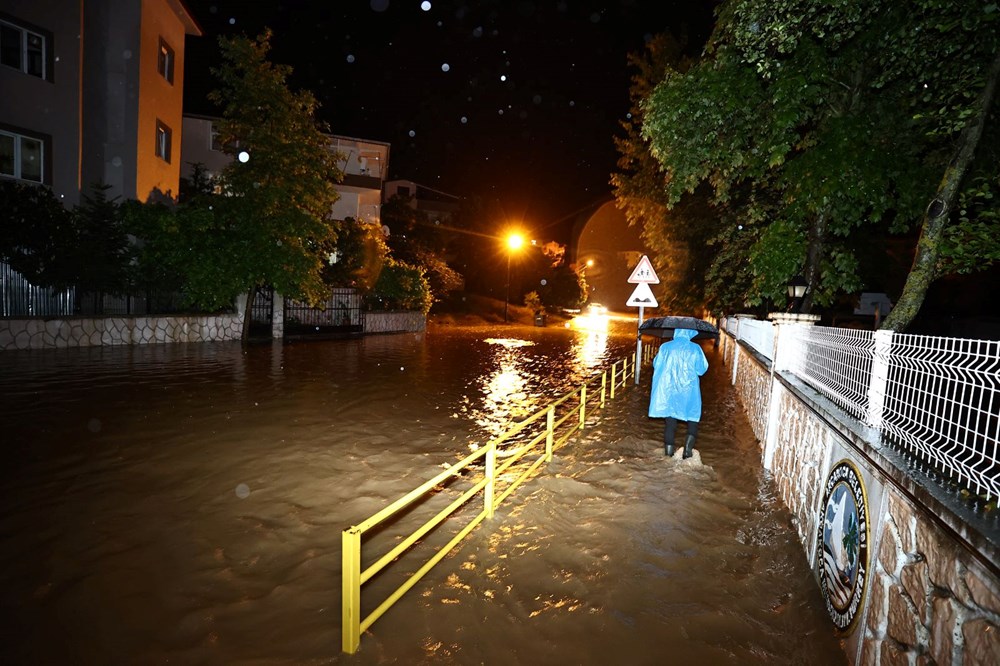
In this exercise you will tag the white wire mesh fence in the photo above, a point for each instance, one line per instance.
(758, 334)
(936, 398)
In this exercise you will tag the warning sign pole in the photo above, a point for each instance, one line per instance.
(642, 276)
(638, 347)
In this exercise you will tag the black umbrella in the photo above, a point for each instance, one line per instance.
(663, 327)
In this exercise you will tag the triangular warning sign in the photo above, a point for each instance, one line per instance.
(644, 273)
(642, 297)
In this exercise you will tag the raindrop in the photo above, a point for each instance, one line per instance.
(426, 6)
(503, 77)
(213, 10)
(379, 5)
(464, 120)
(126, 54)
(232, 21)
(572, 103)
(478, 31)
(94, 425)
(350, 57)
(401, 368)
(116, 161)
(537, 99)
(243, 491)
(412, 133)
(500, 111)
(595, 17)
(544, 282)
(244, 156)
(445, 67)
(739, 227)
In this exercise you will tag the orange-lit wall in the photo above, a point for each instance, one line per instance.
(158, 99)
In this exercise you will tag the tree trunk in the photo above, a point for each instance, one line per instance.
(925, 262)
(814, 255)
(248, 316)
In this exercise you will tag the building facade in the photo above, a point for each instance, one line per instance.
(363, 162)
(92, 92)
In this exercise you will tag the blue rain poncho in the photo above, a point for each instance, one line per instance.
(676, 389)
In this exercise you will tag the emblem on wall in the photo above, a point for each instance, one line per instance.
(843, 544)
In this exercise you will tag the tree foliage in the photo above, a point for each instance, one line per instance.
(86, 247)
(823, 118)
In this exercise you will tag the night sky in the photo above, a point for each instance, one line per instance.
(516, 102)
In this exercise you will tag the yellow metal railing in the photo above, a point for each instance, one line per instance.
(541, 433)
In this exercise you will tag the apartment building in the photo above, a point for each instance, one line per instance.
(92, 91)
(364, 163)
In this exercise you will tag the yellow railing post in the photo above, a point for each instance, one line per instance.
(583, 404)
(491, 477)
(614, 372)
(550, 431)
(350, 620)
(604, 387)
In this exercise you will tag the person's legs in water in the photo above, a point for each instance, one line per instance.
(692, 434)
(669, 430)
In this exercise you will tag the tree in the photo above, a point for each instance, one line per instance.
(677, 235)
(827, 117)
(271, 225)
(99, 257)
(400, 286)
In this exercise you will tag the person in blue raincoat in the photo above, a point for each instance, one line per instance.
(676, 389)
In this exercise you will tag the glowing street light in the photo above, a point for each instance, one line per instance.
(514, 243)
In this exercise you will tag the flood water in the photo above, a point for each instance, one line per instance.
(184, 504)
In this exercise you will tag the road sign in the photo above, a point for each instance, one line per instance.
(644, 273)
(642, 297)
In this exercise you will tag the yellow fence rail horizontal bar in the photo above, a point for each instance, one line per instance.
(566, 410)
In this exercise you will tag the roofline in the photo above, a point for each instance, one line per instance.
(191, 26)
(202, 116)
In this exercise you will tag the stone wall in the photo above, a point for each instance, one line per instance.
(753, 385)
(49, 333)
(395, 322)
(931, 601)
(64, 332)
(933, 592)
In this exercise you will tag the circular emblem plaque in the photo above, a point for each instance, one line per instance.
(843, 544)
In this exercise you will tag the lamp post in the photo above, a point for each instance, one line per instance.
(514, 242)
(796, 290)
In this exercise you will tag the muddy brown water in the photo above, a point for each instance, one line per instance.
(184, 504)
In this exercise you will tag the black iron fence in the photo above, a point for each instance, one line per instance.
(21, 298)
(342, 313)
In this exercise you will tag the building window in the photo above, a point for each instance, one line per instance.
(216, 142)
(165, 62)
(23, 49)
(163, 138)
(403, 191)
(21, 156)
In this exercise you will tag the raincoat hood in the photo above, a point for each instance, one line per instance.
(684, 334)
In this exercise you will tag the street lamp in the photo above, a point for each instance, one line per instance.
(796, 290)
(514, 242)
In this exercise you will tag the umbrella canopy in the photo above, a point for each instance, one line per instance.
(663, 327)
